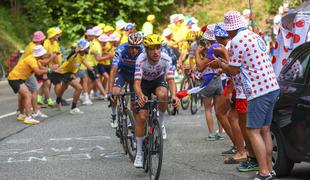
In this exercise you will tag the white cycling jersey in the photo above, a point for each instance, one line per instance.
(145, 70)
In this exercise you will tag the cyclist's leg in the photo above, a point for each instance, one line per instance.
(161, 93)
(140, 119)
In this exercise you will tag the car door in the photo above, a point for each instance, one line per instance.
(291, 109)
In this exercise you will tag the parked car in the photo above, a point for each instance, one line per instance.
(291, 124)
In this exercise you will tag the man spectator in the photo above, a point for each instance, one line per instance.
(247, 56)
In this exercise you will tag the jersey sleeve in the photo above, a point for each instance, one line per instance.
(138, 67)
(169, 68)
(117, 57)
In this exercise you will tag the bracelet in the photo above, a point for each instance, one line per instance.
(49, 70)
(253, 23)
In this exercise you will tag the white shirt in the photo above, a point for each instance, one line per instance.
(248, 51)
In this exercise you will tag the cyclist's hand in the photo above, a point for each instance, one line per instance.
(142, 100)
(175, 102)
(111, 97)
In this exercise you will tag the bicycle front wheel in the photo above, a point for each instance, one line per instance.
(185, 85)
(155, 151)
(130, 139)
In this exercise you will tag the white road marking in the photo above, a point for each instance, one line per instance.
(14, 113)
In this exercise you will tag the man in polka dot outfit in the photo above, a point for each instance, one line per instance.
(247, 56)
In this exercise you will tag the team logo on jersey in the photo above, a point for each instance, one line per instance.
(261, 45)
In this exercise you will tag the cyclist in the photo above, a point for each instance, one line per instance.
(123, 69)
(151, 69)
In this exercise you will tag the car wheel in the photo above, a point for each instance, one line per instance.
(281, 164)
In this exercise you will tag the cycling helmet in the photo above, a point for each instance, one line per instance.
(190, 36)
(135, 39)
(199, 35)
(152, 40)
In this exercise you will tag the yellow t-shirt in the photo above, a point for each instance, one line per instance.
(94, 48)
(124, 39)
(28, 50)
(72, 65)
(53, 48)
(107, 49)
(23, 69)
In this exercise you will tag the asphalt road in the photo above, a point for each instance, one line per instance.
(85, 147)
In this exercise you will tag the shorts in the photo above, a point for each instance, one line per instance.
(214, 88)
(260, 110)
(94, 74)
(149, 87)
(121, 79)
(31, 83)
(104, 68)
(81, 73)
(57, 78)
(42, 78)
(241, 105)
(15, 84)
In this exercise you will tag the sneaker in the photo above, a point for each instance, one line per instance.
(163, 129)
(273, 174)
(260, 177)
(211, 137)
(138, 161)
(30, 120)
(231, 151)
(63, 102)
(87, 102)
(249, 165)
(21, 117)
(76, 111)
(113, 123)
(40, 99)
(50, 102)
(39, 114)
(219, 136)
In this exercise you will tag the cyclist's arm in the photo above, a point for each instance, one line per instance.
(112, 77)
(137, 87)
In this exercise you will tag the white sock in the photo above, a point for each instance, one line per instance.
(139, 145)
(113, 110)
(161, 118)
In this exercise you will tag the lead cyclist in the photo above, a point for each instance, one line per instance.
(151, 69)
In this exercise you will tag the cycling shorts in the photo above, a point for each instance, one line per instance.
(121, 79)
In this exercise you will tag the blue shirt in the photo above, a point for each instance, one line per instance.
(123, 61)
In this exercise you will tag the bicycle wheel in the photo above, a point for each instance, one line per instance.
(124, 132)
(194, 104)
(131, 139)
(155, 151)
(185, 85)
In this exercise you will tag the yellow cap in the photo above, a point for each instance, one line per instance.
(150, 17)
(51, 32)
(101, 25)
(108, 28)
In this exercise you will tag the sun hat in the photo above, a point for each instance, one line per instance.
(90, 32)
(209, 33)
(114, 37)
(39, 51)
(53, 31)
(167, 32)
(233, 20)
(181, 17)
(150, 17)
(108, 29)
(120, 24)
(101, 25)
(104, 38)
(219, 30)
(173, 17)
(83, 44)
(246, 12)
(129, 26)
(38, 36)
(97, 30)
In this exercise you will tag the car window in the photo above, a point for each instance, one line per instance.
(295, 70)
